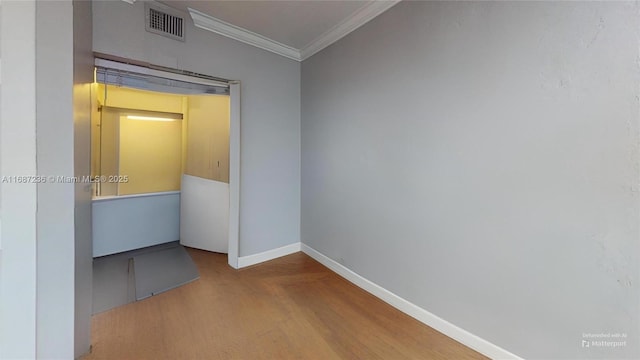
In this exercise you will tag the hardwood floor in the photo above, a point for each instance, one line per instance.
(288, 308)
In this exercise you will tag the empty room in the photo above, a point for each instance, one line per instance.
(314, 179)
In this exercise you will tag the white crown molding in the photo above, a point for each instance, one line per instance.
(218, 26)
(351, 23)
(357, 19)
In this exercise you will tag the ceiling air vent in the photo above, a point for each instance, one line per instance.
(164, 21)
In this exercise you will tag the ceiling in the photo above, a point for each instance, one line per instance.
(297, 25)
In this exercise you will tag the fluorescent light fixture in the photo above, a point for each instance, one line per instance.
(149, 118)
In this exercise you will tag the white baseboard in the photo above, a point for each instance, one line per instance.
(244, 261)
(476, 343)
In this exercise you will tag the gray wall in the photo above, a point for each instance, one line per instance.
(54, 144)
(18, 213)
(0, 142)
(38, 278)
(270, 107)
(481, 161)
(82, 79)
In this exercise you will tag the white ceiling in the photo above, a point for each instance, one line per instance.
(302, 26)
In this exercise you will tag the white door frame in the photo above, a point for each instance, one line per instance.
(234, 141)
(234, 174)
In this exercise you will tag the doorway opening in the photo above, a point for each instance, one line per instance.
(165, 173)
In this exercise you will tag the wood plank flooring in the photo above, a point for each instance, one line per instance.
(289, 308)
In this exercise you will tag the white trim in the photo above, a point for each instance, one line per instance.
(218, 26)
(349, 24)
(249, 260)
(357, 19)
(476, 343)
(234, 174)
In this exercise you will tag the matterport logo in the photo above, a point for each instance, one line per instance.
(604, 340)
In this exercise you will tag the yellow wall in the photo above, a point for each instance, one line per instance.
(201, 148)
(150, 155)
(105, 134)
(108, 150)
(208, 137)
(95, 130)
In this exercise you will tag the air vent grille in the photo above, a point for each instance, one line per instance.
(163, 22)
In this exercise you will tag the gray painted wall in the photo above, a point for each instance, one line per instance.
(55, 214)
(82, 79)
(0, 142)
(481, 161)
(18, 213)
(270, 108)
(38, 139)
